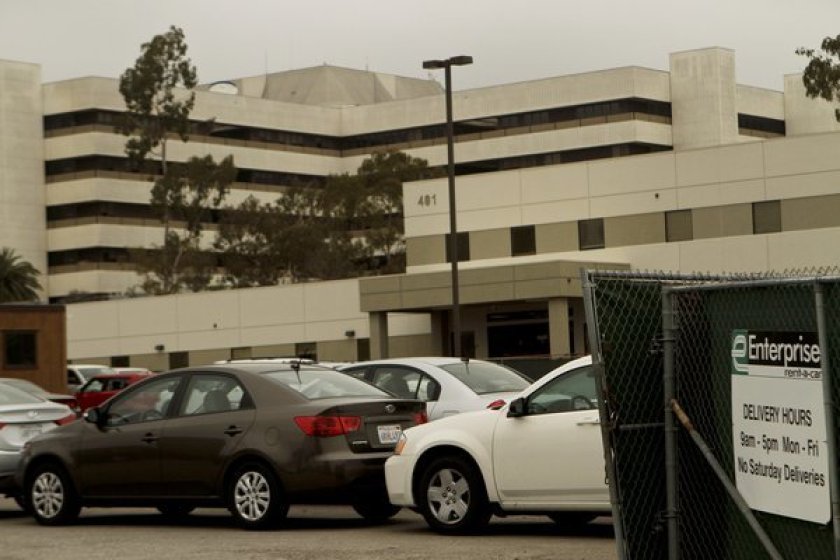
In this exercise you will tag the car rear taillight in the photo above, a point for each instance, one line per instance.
(421, 417)
(66, 420)
(328, 426)
(497, 404)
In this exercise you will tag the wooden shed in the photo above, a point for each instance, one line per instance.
(33, 344)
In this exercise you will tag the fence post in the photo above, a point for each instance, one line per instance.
(668, 386)
(598, 366)
(828, 401)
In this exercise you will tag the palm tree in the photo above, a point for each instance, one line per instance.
(18, 278)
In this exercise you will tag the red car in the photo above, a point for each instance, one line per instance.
(102, 387)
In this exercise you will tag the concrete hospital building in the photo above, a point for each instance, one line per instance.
(630, 168)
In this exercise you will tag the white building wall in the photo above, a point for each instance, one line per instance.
(319, 311)
(22, 194)
(703, 98)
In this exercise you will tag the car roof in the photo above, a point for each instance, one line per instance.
(109, 374)
(428, 360)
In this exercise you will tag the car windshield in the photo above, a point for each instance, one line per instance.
(24, 385)
(486, 377)
(323, 384)
(12, 395)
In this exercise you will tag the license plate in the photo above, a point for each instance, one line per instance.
(390, 433)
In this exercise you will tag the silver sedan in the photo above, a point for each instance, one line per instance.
(22, 417)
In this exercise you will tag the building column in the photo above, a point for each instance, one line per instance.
(558, 327)
(378, 334)
(579, 316)
(439, 332)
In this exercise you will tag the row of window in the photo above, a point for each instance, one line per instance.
(114, 119)
(108, 166)
(597, 112)
(766, 218)
(122, 165)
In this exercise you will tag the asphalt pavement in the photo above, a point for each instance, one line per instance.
(312, 532)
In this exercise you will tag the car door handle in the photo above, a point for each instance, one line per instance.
(149, 438)
(590, 421)
(233, 431)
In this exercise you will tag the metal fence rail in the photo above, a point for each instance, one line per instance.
(660, 338)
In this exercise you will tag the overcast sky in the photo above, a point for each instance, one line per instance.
(510, 41)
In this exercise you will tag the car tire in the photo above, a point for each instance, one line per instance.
(452, 496)
(51, 497)
(572, 518)
(255, 498)
(175, 510)
(376, 510)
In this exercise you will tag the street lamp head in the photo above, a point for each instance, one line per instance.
(434, 64)
(460, 60)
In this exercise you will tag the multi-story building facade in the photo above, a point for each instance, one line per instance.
(682, 170)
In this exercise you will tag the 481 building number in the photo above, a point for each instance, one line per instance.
(427, 200)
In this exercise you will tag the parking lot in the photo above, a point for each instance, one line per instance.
(311, 532)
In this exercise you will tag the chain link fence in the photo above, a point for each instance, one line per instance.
(660, 339)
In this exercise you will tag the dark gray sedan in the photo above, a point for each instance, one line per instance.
(253, 438)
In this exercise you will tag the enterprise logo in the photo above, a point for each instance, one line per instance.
(788, 350)
(740, 363)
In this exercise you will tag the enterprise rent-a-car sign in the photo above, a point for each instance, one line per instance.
(778, 424)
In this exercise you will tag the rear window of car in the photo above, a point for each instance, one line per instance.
(324, 384)
(486, 377)
(12, 395)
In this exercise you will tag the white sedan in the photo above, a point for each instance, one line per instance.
(447, 385)
(540, 454)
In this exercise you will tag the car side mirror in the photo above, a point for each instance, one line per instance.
(516, 408)
(93, 415)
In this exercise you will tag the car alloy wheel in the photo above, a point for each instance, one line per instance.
(51, 495)
(255, 498)
(455, 500)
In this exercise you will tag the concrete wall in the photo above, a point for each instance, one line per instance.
(22, 194)
(269, 321)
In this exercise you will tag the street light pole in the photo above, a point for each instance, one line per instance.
(447, 65)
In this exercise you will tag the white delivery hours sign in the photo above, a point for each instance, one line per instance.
(778, 424)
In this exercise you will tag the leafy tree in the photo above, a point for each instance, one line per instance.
(351, 226)
(371, 202)
(18, 278)
(247, 246)
(822, 75)
(158, 95)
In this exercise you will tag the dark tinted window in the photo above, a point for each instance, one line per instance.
(322, 384)
(463, 240)
(484, 377)
(13, 395)
(21, 349)
(523, 240)
(767, 217)
(591, 234)
(574, 390)
(678, 226)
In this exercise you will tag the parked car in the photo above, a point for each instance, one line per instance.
(22, 417)
(539, 454)
(132, 370)
(253, 438)
(78, 374)
(103, 386)
(447, 385)
(38, 391)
